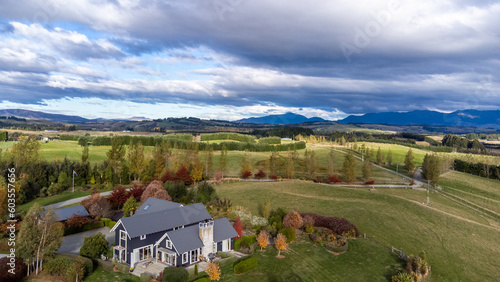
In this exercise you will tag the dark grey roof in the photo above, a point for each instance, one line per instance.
(143, 224)
(186, 239)
(152, 205)
(68, 212)
(223, 230)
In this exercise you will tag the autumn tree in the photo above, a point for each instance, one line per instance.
(238, 227)
(25, 150)
(97, 205)
(129, 207)
(213, 271)
(118, 196)
(136, 159)
(116, 157)
(3, 196)
(349, 168)
(280, 243)
(293, 219)
(223, 161)
(311, 163)
(182, 175)
(197, 170)
(290, 165)
(331, 162)
(409, 163)
(155, 190)
(389, 157)
(263, 239)
(159, 160)
(379, 156)
(246, 167)
(274, 162)
(367, 169)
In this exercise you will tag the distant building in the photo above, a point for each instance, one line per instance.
(66, 213)
(286, 139)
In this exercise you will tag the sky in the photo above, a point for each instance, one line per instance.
(232, 59)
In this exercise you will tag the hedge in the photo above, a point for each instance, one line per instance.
(479, 169)
(85, 227)
(123, 268)
(64, 266)
(270, 140)
(289, 233)
(228, 136)
(339, 225)
(108, 222)
(246, 265)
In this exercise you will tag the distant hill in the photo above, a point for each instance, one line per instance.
(474, 118)
(27, 114)
(288, 118)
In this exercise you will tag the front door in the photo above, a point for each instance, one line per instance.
(123, 256)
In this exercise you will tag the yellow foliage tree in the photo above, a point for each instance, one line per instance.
(213, 271)
(197, 171)
(263, 239)
(280, 243)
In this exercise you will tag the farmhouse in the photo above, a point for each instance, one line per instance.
(171, 233)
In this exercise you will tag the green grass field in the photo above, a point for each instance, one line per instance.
(461, 244)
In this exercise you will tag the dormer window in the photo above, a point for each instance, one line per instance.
(143, 237)
(169, 244)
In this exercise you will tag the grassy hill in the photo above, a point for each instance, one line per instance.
(461, 244)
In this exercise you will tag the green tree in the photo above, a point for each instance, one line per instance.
(223, 160)
(25, 151)
(94, 246)
(409, 163)
(63, 180)
(349, 168)
(379, 156)
(389, 157)
(129, 207)
(116, 157)
(159, 159)
(245, 163)
(311, 164)
(367, 169)
(136, 159)
(209, 162)
(85, 155)
(274, 163)
(431, 168)
(331, 162)
(290, 165)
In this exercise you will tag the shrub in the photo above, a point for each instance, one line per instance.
(307, 220)
(265, 209)
(274, 177)
(246, 265)
(309, 229)
(403, 277)
(334, 179)
(349, 234)
(118, 196)
(260, 174)
(94, 246)
(175, 274)
(97, 205)
(136, 192)
(19, 274)
(246, 174)
(337, 224)
(107, 222)
(123, 268)
(202, 279)
(58, 265)
(293, 219)
(87, 226)
(371, 182)
(145, 277)
(289, 233)
(155, 190)
(318, 180)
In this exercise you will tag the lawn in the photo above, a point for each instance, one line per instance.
(366, 260)
(100, 275)
(460, 244)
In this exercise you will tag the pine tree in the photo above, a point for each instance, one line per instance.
(409, 163)
(349, 167)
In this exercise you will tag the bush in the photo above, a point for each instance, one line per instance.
(64, 266)
(89, 265)
(20, 272)
(309, 229)
(175, 274)
(371, 182)
(334, 179)
(123, 268)
(245, 265)
(245, 242)
(293, 219)
(337, 224)
(202, 279)
(403, 277)
(289, 233)
(94, 246)
(85, 227)
(107, 222)
(145, 277)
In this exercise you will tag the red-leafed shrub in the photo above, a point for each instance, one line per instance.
(318, 180)
(118, 197)
(136, 192)
(260, 174)
(274, 177)
(371, 182)
(246, 174)
(339, 225)
(19, 273)
(334, 179)
(412, 182)
(182, 175)
(167, 176)
(238, 227)
(293, 219)
(76, 221)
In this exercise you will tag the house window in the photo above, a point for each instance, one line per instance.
(215, 247)
(143, 237)
(123, 235)
(184, 257)
(169, 244)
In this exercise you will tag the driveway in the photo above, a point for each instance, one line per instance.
(72, 243)
(74, 201)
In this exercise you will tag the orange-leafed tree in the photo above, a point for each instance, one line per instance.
(155, 190)
(263, 239)
(280, 243)
(238, 227)
(293, 219)
(213, 271)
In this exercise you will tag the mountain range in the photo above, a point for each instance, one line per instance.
(467, 118)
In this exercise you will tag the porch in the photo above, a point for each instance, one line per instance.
(151, 268)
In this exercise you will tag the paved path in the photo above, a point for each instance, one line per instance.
(72, 243)
(74, 201)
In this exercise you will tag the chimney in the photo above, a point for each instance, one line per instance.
(206, 232)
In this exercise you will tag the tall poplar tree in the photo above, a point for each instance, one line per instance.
(349, 168)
